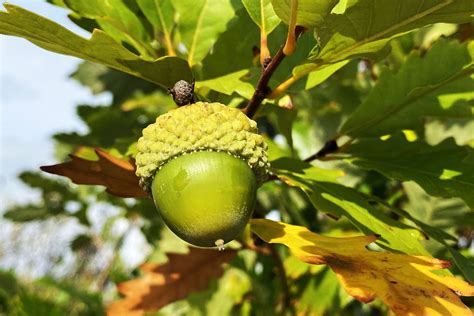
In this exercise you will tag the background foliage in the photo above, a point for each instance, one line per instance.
(390, 81)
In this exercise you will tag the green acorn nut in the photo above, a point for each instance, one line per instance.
(203, 163)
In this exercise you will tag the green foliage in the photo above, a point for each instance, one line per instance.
(438, 84)
(56, 199)
(119, 19)
(262, 14)
(308, 14)
(101, 48)
(376, 22)
(385, 80)
(442, 170)
(200, 26)
(45, 297)
(330, 197)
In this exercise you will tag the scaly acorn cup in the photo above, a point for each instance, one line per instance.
(203, 163)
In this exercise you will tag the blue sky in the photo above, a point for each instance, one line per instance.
(37, 100)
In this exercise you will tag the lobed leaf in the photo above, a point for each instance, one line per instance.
(100, 48)
(319, 74)
(367, 26)
(116, 174)
(200, 24)
(439, 84)
(262, 14)
(119, 19)
(445, 170)
(162, 284)
(363, 28)
(309, 13)
(405, 283)
(328, 196)
(161, 16)
(228, 84)
(227, 48)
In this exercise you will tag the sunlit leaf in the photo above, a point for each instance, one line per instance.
(328, 196)
(100, 48)
(438, 84)
(200, 23)
(116, 174)
(119, 19)
(309, 13)
(229, 84)
(403, 282)
(161, 16)
(317, 75)
(362, 30)
(227, 48)
(445, 170)
(367, 26)
(169, 282)
(262, 14)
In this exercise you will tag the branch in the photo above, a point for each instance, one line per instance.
(282, 274)
(328, 148)
(262, 90)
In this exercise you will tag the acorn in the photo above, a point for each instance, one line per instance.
(202, 164)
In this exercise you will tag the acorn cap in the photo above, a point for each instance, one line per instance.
(200, 127)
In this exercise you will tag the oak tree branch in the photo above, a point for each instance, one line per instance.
(263, 90)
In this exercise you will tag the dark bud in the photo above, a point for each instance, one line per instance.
(255, 51)
(182, 93)
(266, 62)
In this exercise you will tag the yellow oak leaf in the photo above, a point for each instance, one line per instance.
(406, 283)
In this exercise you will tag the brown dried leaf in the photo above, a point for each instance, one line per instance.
(116, 174)
(169, 282)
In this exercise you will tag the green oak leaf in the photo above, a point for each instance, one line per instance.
(161, 15)
(437, 216)
(367, 26)
(200, 24)
(328, 196)
(445, 170)
(119, 19)
(309, 13)
(262, 14)
(439, 84)
(229, 84)
(100, 78)
(464, 264)
(100, 48)
(227, 48)
(325, 286)
(317, 75)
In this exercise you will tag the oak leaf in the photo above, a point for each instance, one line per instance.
(118, 175)
(162, 284)
(406, 283)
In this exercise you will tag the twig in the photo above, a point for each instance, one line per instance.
(259, 249)
(262, 89)
(328, 148)
(282, 274)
